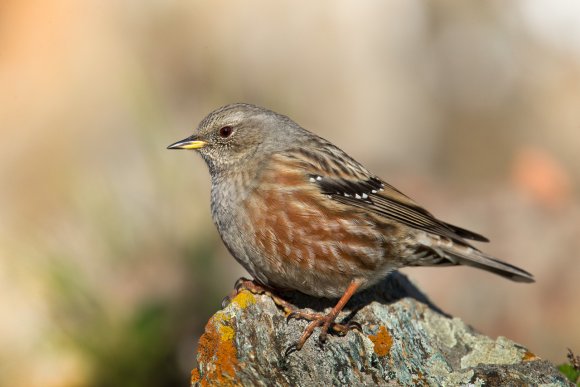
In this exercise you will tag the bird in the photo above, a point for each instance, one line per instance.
(298, 213)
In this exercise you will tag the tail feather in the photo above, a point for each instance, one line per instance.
(447, 252)
(494, 265)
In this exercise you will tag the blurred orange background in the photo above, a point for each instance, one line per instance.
(109, 262)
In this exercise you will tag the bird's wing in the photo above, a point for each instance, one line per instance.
(378, 197)
(345, 180)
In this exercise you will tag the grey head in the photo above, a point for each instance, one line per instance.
(236, 133)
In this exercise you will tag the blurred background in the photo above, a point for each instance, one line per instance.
(110, 265)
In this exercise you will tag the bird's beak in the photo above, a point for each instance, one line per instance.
(189, 143)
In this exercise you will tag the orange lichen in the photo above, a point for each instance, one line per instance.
(216, 347)
(419, 379)
(382, 341)
(244, 299)
(195, 376)
(529, 356)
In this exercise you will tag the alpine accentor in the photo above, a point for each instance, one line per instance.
(299, 213)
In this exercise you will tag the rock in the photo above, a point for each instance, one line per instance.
(406, 340)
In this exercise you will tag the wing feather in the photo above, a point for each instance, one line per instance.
(399, 207)
(347, 181)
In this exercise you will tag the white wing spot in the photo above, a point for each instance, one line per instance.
(318, 178)
(364, 195)
(347, 195)
(312, 180)
(374, 191)
(357, 196)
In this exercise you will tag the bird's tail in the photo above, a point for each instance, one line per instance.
(448, 252)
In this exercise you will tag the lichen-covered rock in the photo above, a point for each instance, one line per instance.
(406, 341)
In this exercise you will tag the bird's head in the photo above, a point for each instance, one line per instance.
(234, 133)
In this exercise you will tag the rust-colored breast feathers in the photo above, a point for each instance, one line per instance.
(296, 226)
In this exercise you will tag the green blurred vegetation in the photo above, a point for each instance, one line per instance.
(571, 369)
(138, 349)
(570, 372)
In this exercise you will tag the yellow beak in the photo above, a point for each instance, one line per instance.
(188, 143)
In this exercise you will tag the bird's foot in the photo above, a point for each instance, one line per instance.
(325, 321)
(258, 289)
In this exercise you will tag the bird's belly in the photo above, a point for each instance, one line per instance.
(315, 251)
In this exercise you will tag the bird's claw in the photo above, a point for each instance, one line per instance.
(241, 284)
(226, 301)
(291, 349)
(354, 325)
(291, 315)
(323, 336)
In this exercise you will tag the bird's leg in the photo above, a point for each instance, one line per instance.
(326, 321)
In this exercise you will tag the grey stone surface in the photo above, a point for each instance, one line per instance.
(406, 340)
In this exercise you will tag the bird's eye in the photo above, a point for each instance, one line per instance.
(226, 131)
